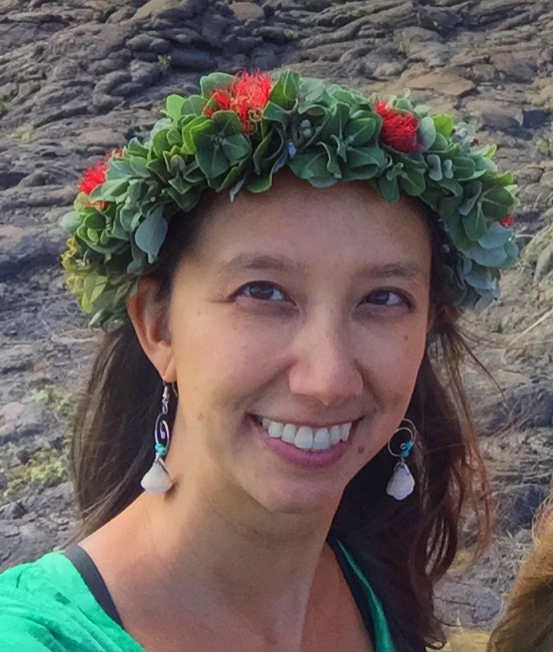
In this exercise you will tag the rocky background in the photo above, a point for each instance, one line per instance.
(79, 77)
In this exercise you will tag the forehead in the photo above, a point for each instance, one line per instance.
(348, 222)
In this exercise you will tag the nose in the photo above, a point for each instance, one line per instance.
(325, 368)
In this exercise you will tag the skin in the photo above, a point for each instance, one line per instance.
(236, 551)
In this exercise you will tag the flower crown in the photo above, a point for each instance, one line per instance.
(239, 132)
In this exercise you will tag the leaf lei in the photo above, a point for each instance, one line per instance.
(243, 129)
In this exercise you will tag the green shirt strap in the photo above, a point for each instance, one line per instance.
(383, 637)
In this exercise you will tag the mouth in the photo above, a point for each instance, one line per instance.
(307, 438)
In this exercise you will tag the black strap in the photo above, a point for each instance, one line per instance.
(355, 587)
(95, 582)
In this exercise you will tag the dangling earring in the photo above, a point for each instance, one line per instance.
(402, 483)
(158, 480)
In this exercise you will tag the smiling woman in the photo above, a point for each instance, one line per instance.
(307, 466)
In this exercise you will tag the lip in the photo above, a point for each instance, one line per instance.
(299, 458)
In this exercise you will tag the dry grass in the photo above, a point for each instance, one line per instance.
(467, 641)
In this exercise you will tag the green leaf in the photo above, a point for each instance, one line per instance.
(260, 184)
(160, 142)
(434, 167)
(389, 189)
(496, 202)
(139, 167)
(236, 147)
(285, 91)
(174, 105)
(453, 186)
(427, 132)
(360, 132)
(174, 137)
(151, 233)
(308, 166)
(187, 201)
(210, 157)
(194, 104)
(362, 173)
(227, 123)
(275, 113)
(215, 80)
(180, 185)
(444, 125)
(311, 90)
(135, 148)
(475, 224)
(189, 132)
(471, 193)
(488, 257)
(413, 182)
(333, 166)
(109, 190)
(336, 122)
(440, 144)
(497, 236)
(463, 168)
(71, 221)
(259, 153)
(362, 156)
(119, 169)
(323, 182)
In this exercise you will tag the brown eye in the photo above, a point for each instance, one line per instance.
(263, 291)
(386, 298)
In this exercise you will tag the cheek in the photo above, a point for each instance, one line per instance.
(392, 365)
(217, 361)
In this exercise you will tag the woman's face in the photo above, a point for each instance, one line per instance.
(297, 327)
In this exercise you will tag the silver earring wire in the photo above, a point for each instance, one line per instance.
(405, 447)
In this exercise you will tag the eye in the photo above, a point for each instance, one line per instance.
(262, 291)
(387, 298)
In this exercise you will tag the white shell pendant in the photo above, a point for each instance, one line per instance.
(157, 480)
(402, 483)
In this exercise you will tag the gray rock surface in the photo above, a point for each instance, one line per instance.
(79, 78)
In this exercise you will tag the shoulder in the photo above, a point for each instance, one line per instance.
(46, 607)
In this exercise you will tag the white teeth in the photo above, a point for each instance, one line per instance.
(321, 440)
(345, 430)
(335, 435)
(275, 429)
(304, 437)
(289, 433)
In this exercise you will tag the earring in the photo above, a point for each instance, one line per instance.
(402, 483)
(157, 480)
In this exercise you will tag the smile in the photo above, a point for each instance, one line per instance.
(305, 438)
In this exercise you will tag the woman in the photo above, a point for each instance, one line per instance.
(528, 626)
(289, 503)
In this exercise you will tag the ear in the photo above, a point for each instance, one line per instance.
(150, 318)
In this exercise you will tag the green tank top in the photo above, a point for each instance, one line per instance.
(46, 606)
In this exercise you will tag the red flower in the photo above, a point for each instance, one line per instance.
(508, 221)
(96, 175)
(399, 129)
(247, 97)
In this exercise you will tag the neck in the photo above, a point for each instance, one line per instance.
(213, 553)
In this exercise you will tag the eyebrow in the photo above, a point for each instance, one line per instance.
(406, 269)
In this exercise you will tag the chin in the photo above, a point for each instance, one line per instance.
(294, 500)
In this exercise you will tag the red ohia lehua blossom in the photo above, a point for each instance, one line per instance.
(96, 174)
(399, 129)
(508, 221)
(247, 97)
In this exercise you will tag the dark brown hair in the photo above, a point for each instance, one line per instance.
(404, 547)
